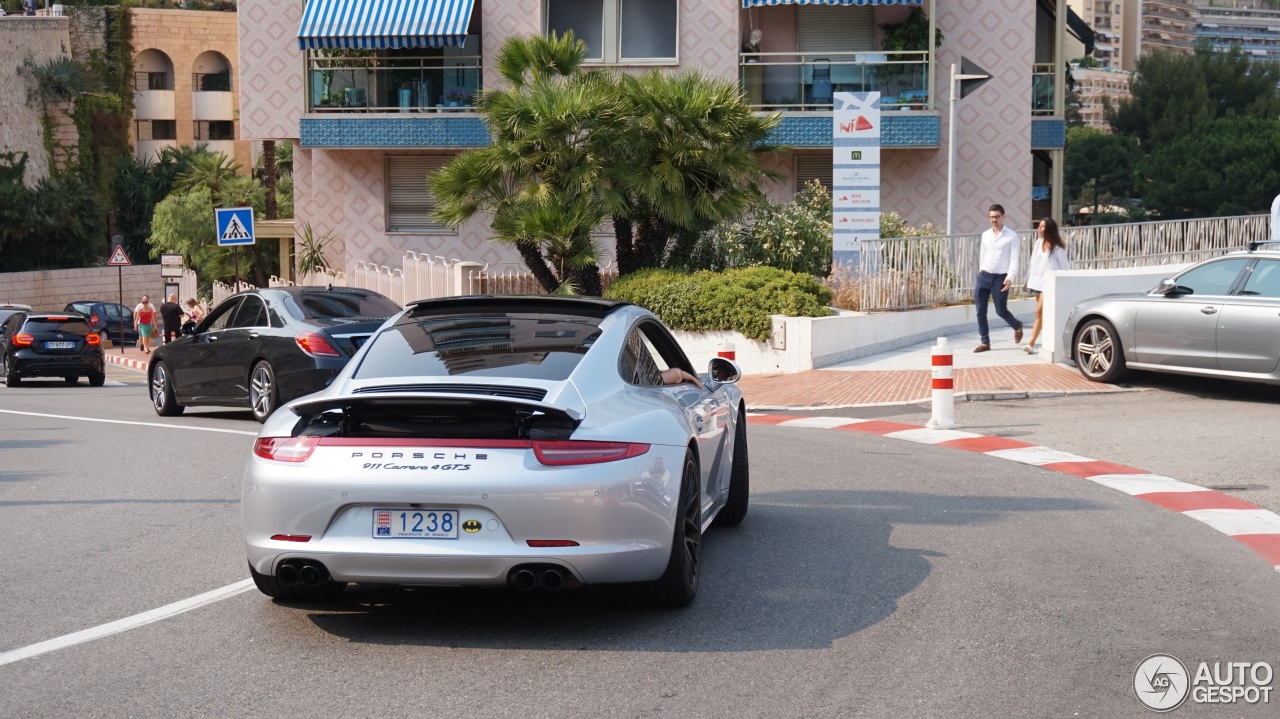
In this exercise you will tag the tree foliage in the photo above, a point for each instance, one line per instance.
(665, 155)
(1098, 166)
(54, 225)
(1230, 167)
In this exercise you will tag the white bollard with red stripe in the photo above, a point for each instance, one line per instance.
(944, 391)
(727, 351)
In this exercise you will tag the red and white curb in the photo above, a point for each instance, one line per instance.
(1256, 528)
(140, 365)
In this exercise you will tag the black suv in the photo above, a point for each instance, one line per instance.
(50, 345)
(105, 316)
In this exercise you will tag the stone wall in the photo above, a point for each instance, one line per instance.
(88, 29)
(51, 290)
(41, 39)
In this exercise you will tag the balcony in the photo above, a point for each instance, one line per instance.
(212, 106)
(1042, 96)
(392, 84)
(789, 81)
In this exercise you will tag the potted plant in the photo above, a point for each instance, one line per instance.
(457, 96)
(909, 36)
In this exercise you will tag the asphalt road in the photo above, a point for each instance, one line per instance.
(872, 577)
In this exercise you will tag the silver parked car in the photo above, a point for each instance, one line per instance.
(520, 441)
(1219, 318)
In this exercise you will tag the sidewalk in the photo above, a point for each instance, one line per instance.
(903, 376)
(899, 377)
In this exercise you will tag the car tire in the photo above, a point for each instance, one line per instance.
(678, 585)
(162, 397)
(95, 380)
(271, 586)
(262, 391)
(1098, 352)
(735, 507)
(71, 379)
(11, 378)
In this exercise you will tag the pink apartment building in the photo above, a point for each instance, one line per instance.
(376, 95)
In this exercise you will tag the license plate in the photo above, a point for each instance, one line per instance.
(415, 524)
(59, 345)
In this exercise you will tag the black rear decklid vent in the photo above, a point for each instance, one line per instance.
(534, 394)
(432, 418)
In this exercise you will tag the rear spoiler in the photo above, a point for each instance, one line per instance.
(442, 400)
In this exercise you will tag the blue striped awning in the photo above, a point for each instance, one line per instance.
(758, 3)
(383, 24)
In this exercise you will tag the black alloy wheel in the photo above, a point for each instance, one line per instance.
(262, 391)
(11, 378)
(678, 586)
(162, 391)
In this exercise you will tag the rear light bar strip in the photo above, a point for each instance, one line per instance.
(552, 453)
(398, 442)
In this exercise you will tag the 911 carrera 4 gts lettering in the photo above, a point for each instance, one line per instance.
(441, 467)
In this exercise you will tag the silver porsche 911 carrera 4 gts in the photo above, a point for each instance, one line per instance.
(521, 441)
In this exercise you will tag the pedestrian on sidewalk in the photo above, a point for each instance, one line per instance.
(997, 266)
(1050, 253)
(194, 313)
(171, 316)
(144, 321)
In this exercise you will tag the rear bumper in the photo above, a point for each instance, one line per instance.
(621, 514)
(28, 364)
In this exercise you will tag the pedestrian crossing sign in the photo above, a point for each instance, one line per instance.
(235, 226)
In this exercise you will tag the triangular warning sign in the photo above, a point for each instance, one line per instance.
(235, 230)
(863, 124)
(119, 257)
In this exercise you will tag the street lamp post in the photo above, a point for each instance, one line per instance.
(965, 78)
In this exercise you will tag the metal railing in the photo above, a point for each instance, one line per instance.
(806, 81)
(386, 84)
(147, 81)
(910, 273)
(211, 81)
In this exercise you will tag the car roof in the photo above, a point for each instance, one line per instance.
(530, 304)
(95, 302)
(60, 316)
(14, 306)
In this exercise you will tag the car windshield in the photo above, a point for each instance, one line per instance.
(339, 304)
(522, 346)
(66, 325)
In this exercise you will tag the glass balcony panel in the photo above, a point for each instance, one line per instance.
(1042, 101)
(392, 84)
(808, 81)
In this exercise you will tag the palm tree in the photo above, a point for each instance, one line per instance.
(543, 176)
(689, 160)
(207, 169)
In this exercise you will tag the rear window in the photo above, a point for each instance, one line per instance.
(70, 325)
(339, 304)
(519, 346)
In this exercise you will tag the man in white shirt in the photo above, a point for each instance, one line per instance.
(997, 266)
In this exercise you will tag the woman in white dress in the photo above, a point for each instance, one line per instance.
(1050, 253)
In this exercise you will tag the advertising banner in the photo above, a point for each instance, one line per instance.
(855, 177)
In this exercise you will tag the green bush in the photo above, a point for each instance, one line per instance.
(739, 299)
(795, 236)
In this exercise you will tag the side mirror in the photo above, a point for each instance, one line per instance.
(724, 370)
(1167, 286)
(189, 328)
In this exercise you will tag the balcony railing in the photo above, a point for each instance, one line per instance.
(807, 81)
(392, 84)
(1042, 100)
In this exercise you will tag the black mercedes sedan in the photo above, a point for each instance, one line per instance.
(263, 347)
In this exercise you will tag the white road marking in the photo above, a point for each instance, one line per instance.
(1238, 521)
(123, 421)
(1037, 455)
(931, 436)
(1138, 484)
(820, 422)
(121, 625)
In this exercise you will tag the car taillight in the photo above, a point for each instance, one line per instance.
(568, 452)
(93, 319)
(551, 543)
(285, 449)
(93, 339)
(23, 340)
(314, 344)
